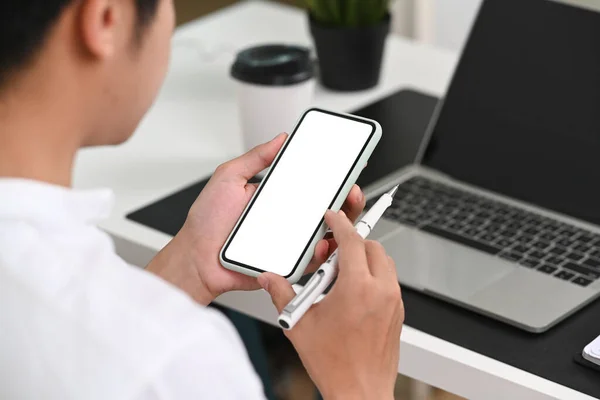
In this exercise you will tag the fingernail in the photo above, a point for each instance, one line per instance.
(343, 214)
(279, 136)
(263, 282)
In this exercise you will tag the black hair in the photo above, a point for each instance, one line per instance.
(24, 25)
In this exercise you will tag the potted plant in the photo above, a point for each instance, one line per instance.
(349, 38)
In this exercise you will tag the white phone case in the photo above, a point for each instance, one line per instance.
(591, 352)
(337, 204)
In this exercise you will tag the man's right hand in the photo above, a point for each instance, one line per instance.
(349, 342)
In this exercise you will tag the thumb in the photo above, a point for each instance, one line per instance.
(279, 289)
(249, 164)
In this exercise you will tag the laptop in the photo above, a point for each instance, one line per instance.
(500, 213)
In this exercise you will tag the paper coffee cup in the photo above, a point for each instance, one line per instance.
(275, 85)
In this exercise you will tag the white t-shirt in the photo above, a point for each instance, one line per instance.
(77, 322)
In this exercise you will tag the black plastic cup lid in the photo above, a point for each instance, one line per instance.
(273, 65)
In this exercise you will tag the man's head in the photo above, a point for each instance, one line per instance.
(106, 57)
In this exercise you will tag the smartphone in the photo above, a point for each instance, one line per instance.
(314, 171)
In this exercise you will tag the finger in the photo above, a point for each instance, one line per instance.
(249, 164)
(354, 204)
(332, 245)
(279, 289)
(352, 257)
(379, 264)
(321, 253)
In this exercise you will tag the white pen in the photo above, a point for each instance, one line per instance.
(321, 279)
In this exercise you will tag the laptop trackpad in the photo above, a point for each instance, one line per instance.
(426, 262)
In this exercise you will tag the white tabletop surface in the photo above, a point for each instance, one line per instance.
(194, 126)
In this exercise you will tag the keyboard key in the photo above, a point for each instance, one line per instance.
(595, 254)
(558, 251)
(493, 228)
(471, 232)
(499, 220)
(515, 226)
(459, 217)
(588, 273)
(553, 260)
(532, 230)
(564, 275)
(538, 255)
(462, 240)
(514, 257)
(565, 242)
(533, 221)
(447, 211)
(529, 263)
(547, 269)
(520, 249)
(581, 281)
(430, 206)
(549, 236)
(590, 262)
(574, 256)
(585, 238)
(483, 215)
(520, 215)
(455, 226)
(509, 233)
(583, 248)
(439, 221)
(525, 239)
(503, 243)
(553, 229)
(568, 232)
(488, 238)
(426, 216)
(540, 245)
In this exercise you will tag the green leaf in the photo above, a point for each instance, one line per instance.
(319, 10)
(348, 12)
(353, 16)
(336, 12)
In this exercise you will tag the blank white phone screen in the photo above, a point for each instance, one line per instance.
(301, 187)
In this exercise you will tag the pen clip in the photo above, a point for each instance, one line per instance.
(310, 286)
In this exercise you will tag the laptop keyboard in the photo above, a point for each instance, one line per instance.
(533, 241)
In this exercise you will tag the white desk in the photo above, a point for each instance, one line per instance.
(193, 127)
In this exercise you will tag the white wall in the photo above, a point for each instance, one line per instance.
(452, 21)
(443, 23)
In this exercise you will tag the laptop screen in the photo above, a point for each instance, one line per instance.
(522, 114)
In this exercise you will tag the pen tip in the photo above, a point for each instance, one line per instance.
(393, 191)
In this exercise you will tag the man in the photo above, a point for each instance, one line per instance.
(77, 322)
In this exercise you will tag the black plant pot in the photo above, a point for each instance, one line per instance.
(349, 58)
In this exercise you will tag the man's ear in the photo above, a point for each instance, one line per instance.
(100, 23)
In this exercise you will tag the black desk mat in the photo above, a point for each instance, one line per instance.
(404, 117)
